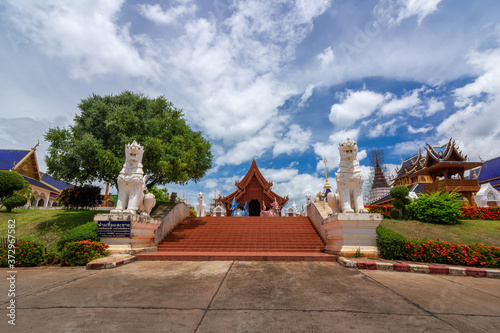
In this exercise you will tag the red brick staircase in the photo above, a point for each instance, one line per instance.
(242, 238)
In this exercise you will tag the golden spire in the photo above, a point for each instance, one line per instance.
(327, 185)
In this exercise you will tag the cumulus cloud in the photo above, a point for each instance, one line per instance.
(178, 10)
(395, 11)
(476, 124)
(354, 105)
(383, 129)
(296, 140)
(433, 106)
(397, 105)
(306, 95)
(86, 35)
(298, 186)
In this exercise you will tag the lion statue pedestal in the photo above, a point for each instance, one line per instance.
(129, 228)
(350, 229)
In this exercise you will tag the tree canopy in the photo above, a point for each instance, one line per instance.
(93, 149)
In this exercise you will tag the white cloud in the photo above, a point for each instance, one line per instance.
(353, 106)
(404, 103)
(408, 148)
(424, 129)
(326, 57)
(306, 95)
(299, 186)
(476, 125)
(180, 9)
(433, 106)
(296, 140)
(395, 11)
(279, 175)
(383, 129)
(86, 35)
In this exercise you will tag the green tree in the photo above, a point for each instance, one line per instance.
(399, 193)
(11, 185)
(93, 149)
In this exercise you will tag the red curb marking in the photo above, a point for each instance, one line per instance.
(366, 265)
(439, 270)
(119, 263)
(95, 266)
(475, 272)
(401, 267)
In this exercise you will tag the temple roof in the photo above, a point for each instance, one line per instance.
(58, 184)
(488, 172)
(379, 180)
(252, 173)
(444, 153)
(10, 158)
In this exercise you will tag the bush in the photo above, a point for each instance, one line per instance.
(399, 192)
(82, 252)
(384, 210)
(10, 181)
(15, 200)
(29, 253)
(437, 207)
(192, 213)
(394, 214)
(87, 231)
(398, 204)
(390, 244)
(453, 254)
(481, 213)
(80, 196)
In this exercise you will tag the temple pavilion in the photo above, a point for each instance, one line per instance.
(255, 190)
(45, 189)
(440, 168)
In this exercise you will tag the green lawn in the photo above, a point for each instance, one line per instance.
(32, 221)
(467, 232)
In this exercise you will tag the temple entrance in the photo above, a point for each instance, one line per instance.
(254, 208)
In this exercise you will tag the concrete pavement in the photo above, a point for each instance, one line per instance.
(244, 296)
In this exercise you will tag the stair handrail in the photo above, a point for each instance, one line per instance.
(170, 221)
(317, 218)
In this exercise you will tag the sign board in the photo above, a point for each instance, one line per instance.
(113, 229)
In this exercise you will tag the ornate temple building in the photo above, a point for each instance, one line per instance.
(255, 190)
(488, 173)
(45, 189)
(440, 168)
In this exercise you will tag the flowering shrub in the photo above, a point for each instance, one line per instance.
(384, 210)
(451, 253)
(192, 213)
(28, 253)
(82, 252)
(481, 213)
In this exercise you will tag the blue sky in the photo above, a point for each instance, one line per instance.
(279, 81)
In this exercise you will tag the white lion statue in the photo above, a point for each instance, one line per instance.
(201, 206)
(349, 194)
(308, 202)
(131, 184)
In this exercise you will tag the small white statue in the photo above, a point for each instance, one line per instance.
(349, 194)
(201, 206)
(308, 202)
(132, 184)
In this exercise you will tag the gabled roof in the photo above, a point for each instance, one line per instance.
(254, 172)
(9, 158)
(445, 153)
(410, 165)
(488, 172)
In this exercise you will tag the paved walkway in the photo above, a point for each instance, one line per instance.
(244, 296)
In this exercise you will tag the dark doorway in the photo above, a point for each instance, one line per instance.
(254, 208)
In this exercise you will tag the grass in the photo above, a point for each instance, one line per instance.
(30, 222)
(467, 232)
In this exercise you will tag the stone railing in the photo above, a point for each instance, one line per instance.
(317, 212)
(170, 221)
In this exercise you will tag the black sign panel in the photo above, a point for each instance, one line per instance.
(113, 228)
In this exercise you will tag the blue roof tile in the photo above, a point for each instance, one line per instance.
(37, 183)
(490, 170)
(59, 184)
(9, 157)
